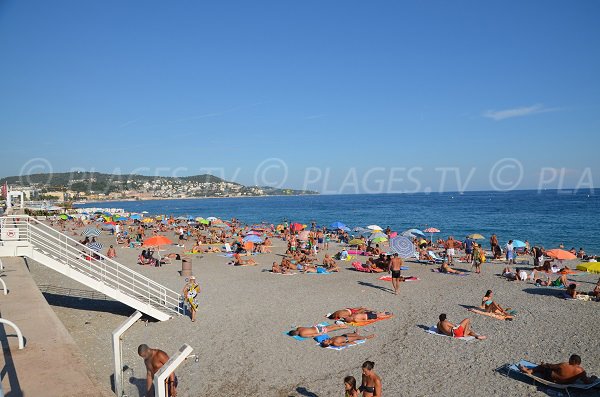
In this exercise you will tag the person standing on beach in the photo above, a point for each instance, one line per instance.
(395, 268)
(371, 382)
(190, 293)
(450, 249)
(493, 242)
(154, 359)
(510, 252)
(469, 249)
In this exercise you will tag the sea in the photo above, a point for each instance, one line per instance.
(547, 218)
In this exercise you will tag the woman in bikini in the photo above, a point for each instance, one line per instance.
(311, 332)
(345, 340)
(488, 304)
(371, 382)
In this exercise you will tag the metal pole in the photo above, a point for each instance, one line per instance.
(166, 370)
(118, 352)
(4, 286)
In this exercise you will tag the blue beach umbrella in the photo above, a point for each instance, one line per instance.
(91, 232)
(96, 246)
(337, 225)
(518, 244)
(402, 246)
(135, 217)
(253, 238)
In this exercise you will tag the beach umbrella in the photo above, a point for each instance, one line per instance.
(296, 227)
(360, 229)
(393, 234)
(379, 239)
(212, 218)
(90, 232)
(64, 217)
(403, 246)
(253, 239)
(108, 226)
(222, 226)
(148, 220)
(96, 246)
(157, 241)
(476, 236)
(415, 232)
(144, 212)
(431, 230)
(374, 227)
(199, 219)
(518, 244)
(135, 217)
(559, 254)
(377, 235)
(356, 241)
(204, 221)
(337, 225)
(590, 267)
(181, 218)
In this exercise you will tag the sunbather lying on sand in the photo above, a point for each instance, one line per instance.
(518, 275)
(311, 332)
(238, 261)
(343, 313)
(562, 373)
(445, 327)
(277, 269)
(368, 315)
(345, 340)
(490, 306)
(445, 268)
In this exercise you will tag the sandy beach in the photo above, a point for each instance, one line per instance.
(244, 312)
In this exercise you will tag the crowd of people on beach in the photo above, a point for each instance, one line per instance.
(305, 244)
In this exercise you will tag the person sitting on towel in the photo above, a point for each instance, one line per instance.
(488, 304)
(330, 264)
(562, 373)
(238, 261)
(445, 268)
(311, 332)
(344, 340)
(445, 327)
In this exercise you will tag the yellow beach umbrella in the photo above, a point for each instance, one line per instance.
(148, 220)
(591, 267)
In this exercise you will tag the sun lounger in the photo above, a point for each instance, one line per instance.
(434, 331)
(436, 258)
(577, 385)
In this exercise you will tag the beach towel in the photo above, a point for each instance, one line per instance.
(577, 385)
(451, 274)
(358, 342)
(283, 274)
(492, 315)
(367, 322)
(319, 271)
(389, 278)
(434, 331)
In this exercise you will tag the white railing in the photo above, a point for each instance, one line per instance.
(93, 264)
(17, 330)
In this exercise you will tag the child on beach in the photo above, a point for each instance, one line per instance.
(350, 389)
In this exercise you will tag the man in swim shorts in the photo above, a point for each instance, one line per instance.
(562, 373)
(445, 327)
(369, 315)
(344, 340)
(395, 268)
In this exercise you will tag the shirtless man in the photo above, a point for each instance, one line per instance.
(311, 332)
(395, 268)
(344, 340)
(154, 359)
(330, 263)
(445, 268)
(368, 315)
(238, 261)
(563, 373)
(445, 327)
(276, 269)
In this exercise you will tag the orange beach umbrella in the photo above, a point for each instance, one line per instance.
(559, 254)
(157, 241)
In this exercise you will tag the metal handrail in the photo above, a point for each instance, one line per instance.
(17, 330)
(82, 259)
(4, 286)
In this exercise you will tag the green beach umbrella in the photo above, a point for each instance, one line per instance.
(476, 236)
(379, 240)
(356, 241)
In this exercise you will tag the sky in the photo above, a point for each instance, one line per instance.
(336, 96)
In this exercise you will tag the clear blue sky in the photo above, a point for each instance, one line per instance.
(141, 85)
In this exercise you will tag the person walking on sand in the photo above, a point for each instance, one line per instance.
(450, 249)
(154, 359)
(396, 269)
(190, 292)
(445, 327)
(371, 382)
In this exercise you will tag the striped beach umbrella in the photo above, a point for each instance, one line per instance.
(96, 246)
(431, 230)
(403, 246)
(91, 232)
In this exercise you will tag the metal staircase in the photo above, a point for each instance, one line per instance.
(22, 235)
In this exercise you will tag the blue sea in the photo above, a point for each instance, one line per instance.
(547, 218)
